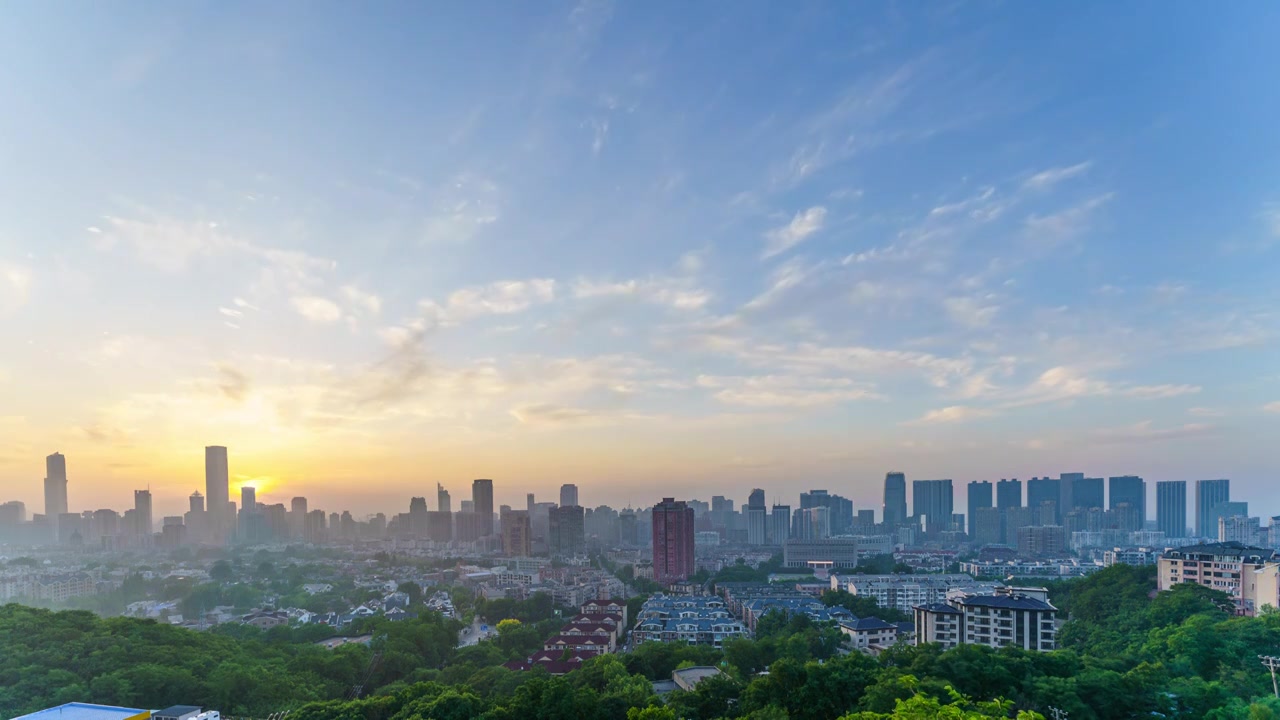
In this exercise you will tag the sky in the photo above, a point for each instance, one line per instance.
(650, 248)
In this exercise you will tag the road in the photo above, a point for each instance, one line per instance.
(475, 633)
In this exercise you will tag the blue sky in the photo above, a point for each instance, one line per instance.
(645, 247)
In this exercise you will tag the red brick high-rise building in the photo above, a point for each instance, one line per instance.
(672, 541)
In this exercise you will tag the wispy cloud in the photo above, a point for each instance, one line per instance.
(804, 224)
(1206, 412)
(1064, 224)
(971, 312)
(1272, 407)
(499, 298)
(316, 309)
(1145, 432)
(659, 291)
(364, 301)
(784, 391)
(1160, 391)
(951, 414)
(1048, 178)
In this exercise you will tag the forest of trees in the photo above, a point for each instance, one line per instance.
(1124, 654)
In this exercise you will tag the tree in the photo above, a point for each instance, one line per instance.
(221, 571)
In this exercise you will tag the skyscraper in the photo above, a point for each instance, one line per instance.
(196, 502)
(1171, 508)
(1088, 493)
(895, 499)
(1042, 490)
(933, 500)
(566, 531)
(672, 541)
(442, 499)
(298, 516)
(248, 499)
(217, 491)
(142, 508)
(1067, 491)
(1209, 494)
(979, 497)
(1009, 493)
(55, 487)
(568, 495)
(757, 519)
(517, 534)
(779, 524)
(482, 499)
(1132, 490)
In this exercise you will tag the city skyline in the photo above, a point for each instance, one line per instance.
(943, 494)
(857, 237)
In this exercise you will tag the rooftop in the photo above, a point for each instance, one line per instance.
(85, 711)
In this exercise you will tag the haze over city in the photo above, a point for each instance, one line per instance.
(649, 253)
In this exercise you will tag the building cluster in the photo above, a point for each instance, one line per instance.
(689, 619)
(905, 592)
(751, 601)
(597, 629)
(568, 585)
(50, 587)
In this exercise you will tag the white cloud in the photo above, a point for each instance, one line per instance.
(1048, 178)
(365, 301)
(15, 286)
(970, 312)
(950, 414)
(1160, 391)
(1050, 229)
(1206, 412)
(1272, 407)
(242, 303)
(659, 291)
(317, 309)
(230, 312)
(785, 391)
(803, 225)
(499, 298)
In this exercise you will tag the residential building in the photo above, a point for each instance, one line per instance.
(933, 501)
(869, 632)
(1171, 508)
(904, 592)
(985, 526)
(1009, 494)
(1046, 490)
(1017, 617)
(1221, 566)
(1130, 490)
(1240, 528)
(567, 531)
(1042, 541)
(979, 497)
(517, 534)
(693, 620)
(673, 557)
(1210, 494)
(779, 524)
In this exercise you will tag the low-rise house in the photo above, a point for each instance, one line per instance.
(868, 632)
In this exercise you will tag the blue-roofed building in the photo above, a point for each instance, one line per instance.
(869, 632)
(85, 711)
